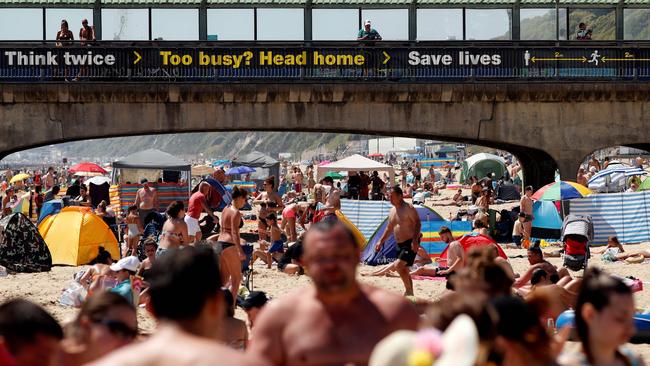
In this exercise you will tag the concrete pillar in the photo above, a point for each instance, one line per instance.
(538, 166)
(569, 166)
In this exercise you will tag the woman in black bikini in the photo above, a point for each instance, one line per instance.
(229, 241)
(269, 202)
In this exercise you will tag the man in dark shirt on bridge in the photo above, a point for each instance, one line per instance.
(367, 33)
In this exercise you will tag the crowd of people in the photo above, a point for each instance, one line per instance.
(190, 282)
(334, 320)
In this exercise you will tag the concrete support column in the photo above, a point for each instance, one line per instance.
(569, 165)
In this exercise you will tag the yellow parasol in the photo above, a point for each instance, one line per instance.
(19, 177)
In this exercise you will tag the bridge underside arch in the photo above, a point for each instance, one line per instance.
(546, 126)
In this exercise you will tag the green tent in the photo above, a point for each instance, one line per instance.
(334, 175)
(480, 165)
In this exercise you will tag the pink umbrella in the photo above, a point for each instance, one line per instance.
(324, 163)
(87, 167)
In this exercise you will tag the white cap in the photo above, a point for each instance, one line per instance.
(367, 22)
(130, 263)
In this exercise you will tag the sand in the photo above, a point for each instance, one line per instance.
(45, 288)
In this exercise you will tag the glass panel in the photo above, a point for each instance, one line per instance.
(53, 18)
(392, 24)
(538, 24)
(13, 24)
(562, 13)
(600, 24)
(231, 24)
(175, 24)
(125, 24)
(636, 24)
(440, 24)
(280, 24)
(335, 24)
(488, 24)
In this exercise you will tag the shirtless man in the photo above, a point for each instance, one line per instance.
(319, 324)
(526, 206)
(404, 223)
(188, 330)
(49, 179)
(146, 199)
(298, 179)
(456, 257)
(536, 261)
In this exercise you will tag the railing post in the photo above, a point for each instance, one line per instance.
(516, 30)
(203, 20)
(413, 21)
(308, 33)
(620, 24)
(97, 19)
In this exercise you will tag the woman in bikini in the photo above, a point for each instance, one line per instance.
(134, 229)
(229, 242)
(269, 202)
(174, 231)
(290, 215)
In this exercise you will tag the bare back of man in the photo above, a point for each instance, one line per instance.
(170, 346)
(299, 330)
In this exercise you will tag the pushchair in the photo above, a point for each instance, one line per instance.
(153, 224)
(577, 232)
(246, 268)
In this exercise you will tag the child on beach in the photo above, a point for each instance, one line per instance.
(274, 249)
(134, 229)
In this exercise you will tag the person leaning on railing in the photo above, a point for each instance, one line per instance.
(367, 33)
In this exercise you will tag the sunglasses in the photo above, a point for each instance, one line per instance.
(119, 328)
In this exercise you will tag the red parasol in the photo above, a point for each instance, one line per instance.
(87, 167)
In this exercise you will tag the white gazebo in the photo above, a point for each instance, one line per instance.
(356, 163)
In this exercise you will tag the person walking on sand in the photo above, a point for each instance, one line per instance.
(320, 324)
(404, 223)
(526, 206)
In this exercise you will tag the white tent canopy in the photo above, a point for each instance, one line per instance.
(355, 163)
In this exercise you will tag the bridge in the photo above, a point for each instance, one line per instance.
(547, 104)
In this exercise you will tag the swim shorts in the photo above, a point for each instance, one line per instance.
(277, 246)
(192, 225)
(405, 252)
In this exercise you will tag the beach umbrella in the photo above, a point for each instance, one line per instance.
(87, 169)
(221, 162)
(200, 170)
(239, 170)
(562, 190)
(614, 177)
(323, 163)
(375, 155)
(19, 177)
(645, 185)
(334, 175)
(98, 180)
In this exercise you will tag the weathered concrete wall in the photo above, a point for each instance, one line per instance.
(543, 124)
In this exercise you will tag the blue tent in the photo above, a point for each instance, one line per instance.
(547, 223)
(431, 223)
(51, 207)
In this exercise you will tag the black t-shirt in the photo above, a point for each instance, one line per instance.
(294, 252)
(354, 181)
(377, 184)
